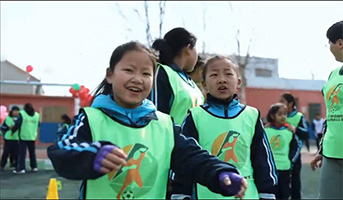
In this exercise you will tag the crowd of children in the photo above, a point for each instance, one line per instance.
(152, 132)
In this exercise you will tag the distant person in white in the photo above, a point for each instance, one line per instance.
(318, 125)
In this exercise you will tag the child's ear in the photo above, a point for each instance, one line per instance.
(109, 74)
(187, 50)
(239, 82)
(340, 43)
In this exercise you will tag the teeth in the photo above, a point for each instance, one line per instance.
(222, 88)
(134, 89)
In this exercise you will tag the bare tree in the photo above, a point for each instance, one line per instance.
(147, 29)
(204, 28)
(162, 6)
(242, 61)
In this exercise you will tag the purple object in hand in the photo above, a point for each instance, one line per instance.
(236, 181)
(103, 151)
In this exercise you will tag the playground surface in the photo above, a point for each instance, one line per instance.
(34, 185)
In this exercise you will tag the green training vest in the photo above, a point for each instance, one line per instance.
(333, 94)
(230, 141)
(149, 153)
(8, 134)
(294, 120)
(185, 96)
(29, 127)
(280, 141)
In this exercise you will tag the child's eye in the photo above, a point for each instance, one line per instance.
(128, 70)
(229, 74)
(213, 75)
(147, 74)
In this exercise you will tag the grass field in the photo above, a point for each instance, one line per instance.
(34, 185)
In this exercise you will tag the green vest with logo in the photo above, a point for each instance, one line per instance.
(333, 94)
(29, 126)
(230, 141)
(280, 141)
(8, 134)
(185, 96)
(294, 120)
(148, 150)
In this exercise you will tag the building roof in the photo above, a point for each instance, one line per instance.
(20, 70)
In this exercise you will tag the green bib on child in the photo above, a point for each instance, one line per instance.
(230, 141)
(149, 152)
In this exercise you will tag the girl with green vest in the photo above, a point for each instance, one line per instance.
(231, 131)
(284, 146)
(10, 139)
(297, 122)
(122, 147)
(27, 126)
(330, 155)
(174, 91)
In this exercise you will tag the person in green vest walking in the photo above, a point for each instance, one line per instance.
(27, 126)
(284, 147)
(298, 124)
(122, 147)
(10, 139)
(231, 131)
(330, 154)
(174, 91)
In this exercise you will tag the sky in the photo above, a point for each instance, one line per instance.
(71, 42)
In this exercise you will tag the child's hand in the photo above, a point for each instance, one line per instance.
(316, 162)
(291, 128)
(233, 184)
(109, 158)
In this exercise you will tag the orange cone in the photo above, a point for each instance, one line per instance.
(52, 189)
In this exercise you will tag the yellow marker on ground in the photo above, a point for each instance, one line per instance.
(52, 189)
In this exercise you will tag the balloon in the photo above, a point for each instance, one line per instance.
(87, 90)
(76, 86)
(3, 113)
(71, 90)
(29, 68)
(84, 103)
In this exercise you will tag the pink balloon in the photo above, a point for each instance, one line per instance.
(3, 112)
(29, 68)
(3, 109)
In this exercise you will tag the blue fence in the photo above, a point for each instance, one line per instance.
(48, 132)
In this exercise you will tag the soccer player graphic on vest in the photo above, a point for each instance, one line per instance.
(334, 95)
(275, 141)
(229, 147)
(132, 167)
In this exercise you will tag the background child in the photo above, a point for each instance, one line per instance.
(174, 91)
(330, 154)
(284, 147)
(297, 120)
(122, 147)
(10, 139)
(318, 126)
(231, 131)
(63, 126)
(196, 74)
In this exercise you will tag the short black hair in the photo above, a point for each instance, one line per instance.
(335, 32)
